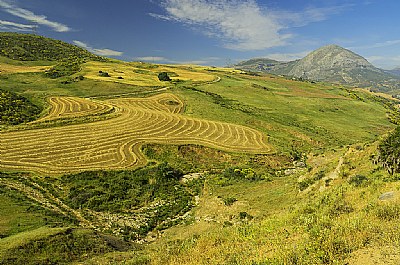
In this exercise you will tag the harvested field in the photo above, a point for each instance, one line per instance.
(11, 69)
(72, 107)
(116, 143)
(137, 74)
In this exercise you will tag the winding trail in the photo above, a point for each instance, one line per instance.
(41, 195)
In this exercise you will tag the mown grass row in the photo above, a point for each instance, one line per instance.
(115, 143)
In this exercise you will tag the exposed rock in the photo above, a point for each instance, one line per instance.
(290, 171)
(192, 176)
(387, 196)
(299, 164)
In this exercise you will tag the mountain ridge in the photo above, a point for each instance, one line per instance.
(333, 64)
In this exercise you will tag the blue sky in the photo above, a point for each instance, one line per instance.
(212, 32)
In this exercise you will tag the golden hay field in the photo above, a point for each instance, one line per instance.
(10, 69)
(115, 143)
(73, 107)
(140, 74)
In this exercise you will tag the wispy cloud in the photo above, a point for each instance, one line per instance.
(101, 52)
(201, 61)
(385, 62)
(307, 16)
(377, 45)
(160, 59)
(8, 25)
(285, 57)
(13, 9)
(242, 25)
(152, 59)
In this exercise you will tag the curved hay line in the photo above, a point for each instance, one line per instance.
(115, 143)
(73, 107)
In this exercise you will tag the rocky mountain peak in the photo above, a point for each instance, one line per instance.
(327, 59)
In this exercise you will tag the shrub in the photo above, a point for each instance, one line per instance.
(229, 201)
(104, 74)
(389, 152)
(245, 215)
(358, 180)
(65, 68)
(163, 76)
(16, 109)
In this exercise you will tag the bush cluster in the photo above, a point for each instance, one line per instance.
(29, 47)
(16, 109)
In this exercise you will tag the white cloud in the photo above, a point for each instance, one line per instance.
(101, 52)
(30, 16)
(377, 45)
(200, 61)
(309, 15)
(81, 44)
(160, 59)
(107, 52)
(375, 58)
(8, 25)
(384, 62)
(152, 59)
(242, 25)
(287, 56)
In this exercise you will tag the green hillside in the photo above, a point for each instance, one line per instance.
(319, 195)
(29, 47)
(16, 109)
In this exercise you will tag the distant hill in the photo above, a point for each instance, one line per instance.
(266, 65)
(30, 47)
(395, 71)
(332, 64)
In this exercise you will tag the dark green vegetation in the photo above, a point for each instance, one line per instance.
(64, 247)
(129, 192)
(66, 68)
(163, 76)
(389, 152)
(128, 204)
(16, 109)
(29, 47)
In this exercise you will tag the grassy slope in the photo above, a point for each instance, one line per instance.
(30, 47)
(310, 116)
(281, 224)
(16, 218)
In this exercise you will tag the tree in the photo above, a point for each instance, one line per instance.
(163, 76)
(389, 152)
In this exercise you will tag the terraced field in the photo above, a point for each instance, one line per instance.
(115, 143)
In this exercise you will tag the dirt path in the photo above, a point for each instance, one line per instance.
(336, 172)
(41, 195)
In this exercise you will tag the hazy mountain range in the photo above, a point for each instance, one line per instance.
(333, 64)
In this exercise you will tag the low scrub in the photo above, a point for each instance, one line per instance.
(16, 109)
